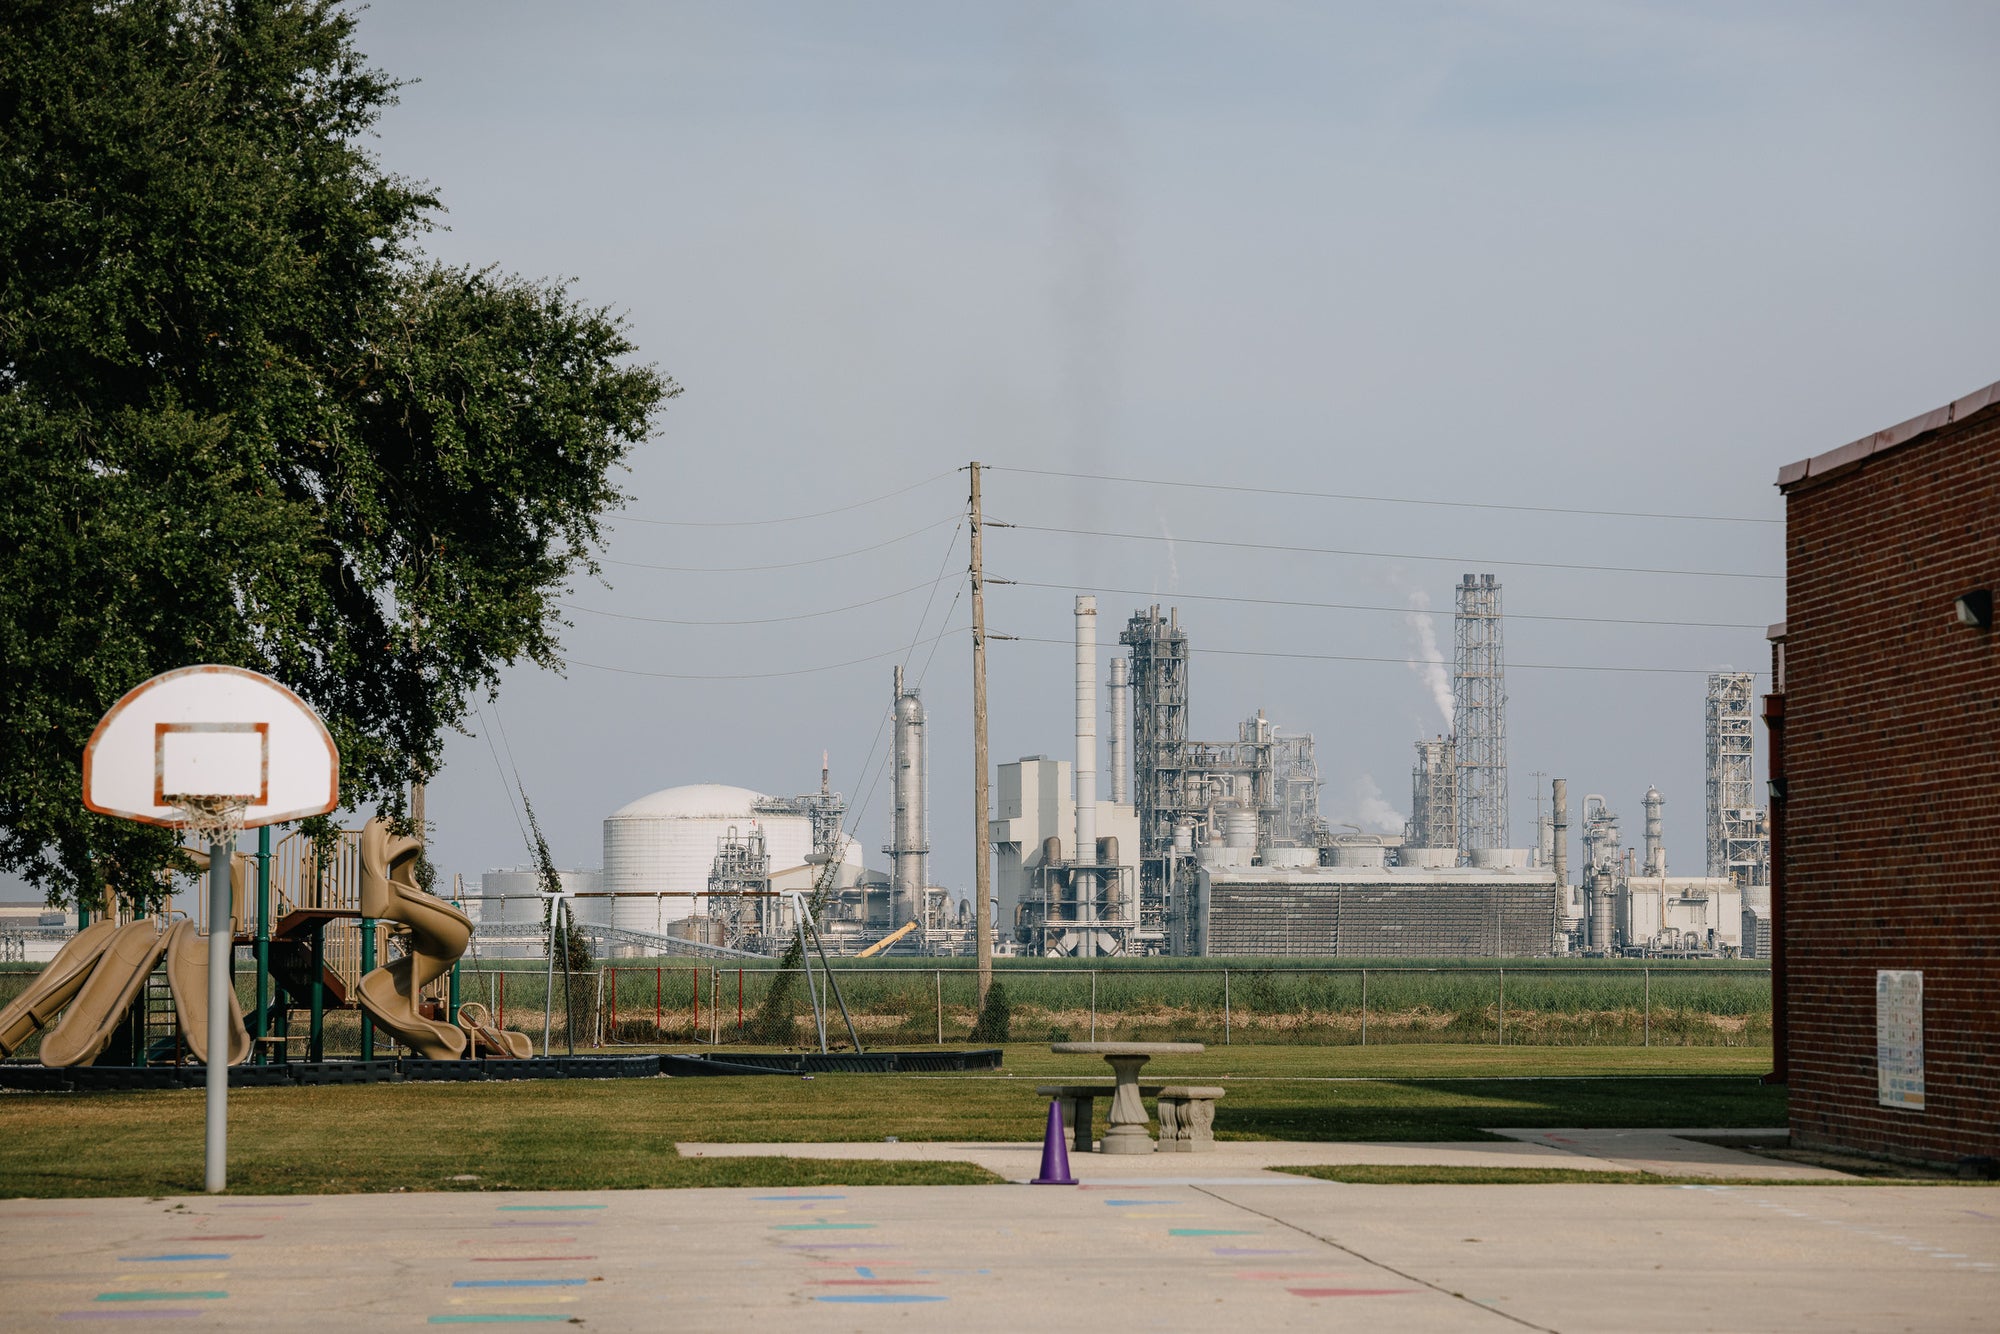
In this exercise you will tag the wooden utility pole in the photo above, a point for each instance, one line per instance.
(982, 903)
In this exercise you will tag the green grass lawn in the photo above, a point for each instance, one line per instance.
(603, 1134)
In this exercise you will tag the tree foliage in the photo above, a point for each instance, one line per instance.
(243, 419)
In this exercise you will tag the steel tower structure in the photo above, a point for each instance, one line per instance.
(1738, 846)
(1159, 675)
(1479, 715)
(1434, 795)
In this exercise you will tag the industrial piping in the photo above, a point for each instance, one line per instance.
(1559, 839)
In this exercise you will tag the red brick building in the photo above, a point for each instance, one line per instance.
(1886, 785)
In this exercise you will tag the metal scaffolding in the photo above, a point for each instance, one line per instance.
(1159, 674)
(737, 886)
(1479, 715)
(1434, 796)
(1738, 844)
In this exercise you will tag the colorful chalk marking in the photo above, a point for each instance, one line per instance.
(496, 1318)
(1211, 1232)
(523, 1259)
(819, 1227)
(873, 1282)
(788, 1199)
(520, 1282)
(160, 1296)
(233, 1236)
(171, 1259)
(840, 1246)
(547, 1208)
(1247, 1250)
(881, 1298)
(1129, 1204)
(150, 1313)
(1349, 1292)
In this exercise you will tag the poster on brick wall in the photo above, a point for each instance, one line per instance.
(1899, 1039)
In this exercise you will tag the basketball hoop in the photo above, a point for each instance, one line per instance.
(212, 820)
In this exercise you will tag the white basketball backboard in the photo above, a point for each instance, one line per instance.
(211, 731)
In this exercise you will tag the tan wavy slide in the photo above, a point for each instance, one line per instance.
(484, 1033)
(439, 933)
(54, 987)
(106, 995)
(187, 975)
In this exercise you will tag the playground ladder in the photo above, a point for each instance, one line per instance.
(157, 1014)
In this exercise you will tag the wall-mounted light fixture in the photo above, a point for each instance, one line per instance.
(1777, 788)
(1976, 608)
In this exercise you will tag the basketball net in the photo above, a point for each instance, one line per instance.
(212, 820)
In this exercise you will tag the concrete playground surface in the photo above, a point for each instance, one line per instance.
(1164, 1241)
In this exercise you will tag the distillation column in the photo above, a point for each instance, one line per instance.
(1120, 709)
(1656, 845)
(909, 850)
(1084, 884)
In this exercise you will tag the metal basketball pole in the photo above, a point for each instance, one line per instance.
(221, 949)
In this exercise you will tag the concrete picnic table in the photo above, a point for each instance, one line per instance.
(1126, 1131)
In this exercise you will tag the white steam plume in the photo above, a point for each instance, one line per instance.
(1364, 805)
(1429, 662)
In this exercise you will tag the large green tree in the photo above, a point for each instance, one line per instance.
(244, 420)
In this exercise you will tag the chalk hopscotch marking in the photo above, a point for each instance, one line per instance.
(232, 1236)
(820, 1227)
(790, 1199)
(153, 1296)
(172, 1259)
(498, 1318)
(150, 1313)
(523, 1259)
(520, 1282)
(1211, 1232)
(1349, 1292)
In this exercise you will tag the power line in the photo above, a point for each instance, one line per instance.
(1463, 561)
(758, 676)
(1351, 657)
(784, 565)
(760, 620)
(793, 518)
(1382, 500)
(1357, 606)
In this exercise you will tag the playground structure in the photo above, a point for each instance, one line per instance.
(101, 995)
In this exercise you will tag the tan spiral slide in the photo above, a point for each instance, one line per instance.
(439, 933)
(54, 987)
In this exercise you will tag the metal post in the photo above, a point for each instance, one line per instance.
(1364, 1007)
(1225, 1007)
(659, 1004)
(263, 941)
(938, 979)
(549, 984)
(1503, 1007)
(1093, 1005)
(221, 981)
(982, 900)
(451, 997)
(1649, 1006)
(316, 1031)
(367, 967)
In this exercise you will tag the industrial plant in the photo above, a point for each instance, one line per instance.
(1183, 846)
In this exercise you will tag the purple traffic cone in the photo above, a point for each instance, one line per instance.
(1055, 1153)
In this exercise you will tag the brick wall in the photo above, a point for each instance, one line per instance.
(1891, 829)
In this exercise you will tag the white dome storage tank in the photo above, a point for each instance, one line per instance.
(666, 841)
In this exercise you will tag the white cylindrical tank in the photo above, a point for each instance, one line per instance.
(1360, 854)
(667, 841)
(1500, 859)
(1656, 845)
(510, 904)
(1426, 859)
(1298, 857)
(1239, 828)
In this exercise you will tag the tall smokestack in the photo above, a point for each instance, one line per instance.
(1121, 731)
(1085, 886)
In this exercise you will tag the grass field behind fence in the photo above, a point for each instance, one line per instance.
(920, 1001)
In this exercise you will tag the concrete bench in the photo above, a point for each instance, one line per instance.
(1187, 1113)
